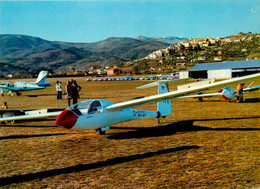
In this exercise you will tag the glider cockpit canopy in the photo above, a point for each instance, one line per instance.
(89, 106)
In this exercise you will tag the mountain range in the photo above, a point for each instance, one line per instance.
(21, 54)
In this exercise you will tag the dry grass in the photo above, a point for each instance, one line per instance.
(211, 144)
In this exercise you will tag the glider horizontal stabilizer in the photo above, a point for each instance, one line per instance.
(156, 83)
(252, 88)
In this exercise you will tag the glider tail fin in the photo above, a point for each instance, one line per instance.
(41, 79)
(164, 107)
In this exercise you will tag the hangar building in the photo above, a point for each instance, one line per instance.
(220, 70)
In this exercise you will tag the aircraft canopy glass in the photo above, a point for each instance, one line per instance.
(95, 107)
(9, 84)
(88, 106)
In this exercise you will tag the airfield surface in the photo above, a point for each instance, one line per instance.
(210, 144)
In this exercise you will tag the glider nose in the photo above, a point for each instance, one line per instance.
(66, 119)
(225, 97)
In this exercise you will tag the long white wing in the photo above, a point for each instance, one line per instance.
(179, 93)
(34, 116)
(199, 95)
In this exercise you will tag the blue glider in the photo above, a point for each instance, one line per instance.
(20, 86)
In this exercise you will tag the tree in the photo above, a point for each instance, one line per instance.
(182, 47)
(197, 48)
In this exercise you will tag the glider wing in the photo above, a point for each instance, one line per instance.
(33, 116)
(7, 88)
(199, 95)
(179, 93)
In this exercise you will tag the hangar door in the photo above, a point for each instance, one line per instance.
(220, 74)
(198, 74)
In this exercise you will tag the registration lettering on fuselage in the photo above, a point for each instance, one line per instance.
(139, 113)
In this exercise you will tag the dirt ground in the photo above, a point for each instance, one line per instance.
(210, 144)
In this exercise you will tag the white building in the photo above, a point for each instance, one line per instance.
(221, 70)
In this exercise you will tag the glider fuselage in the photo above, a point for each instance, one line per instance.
(96, 115)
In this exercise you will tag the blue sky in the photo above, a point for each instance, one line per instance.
(95, 20)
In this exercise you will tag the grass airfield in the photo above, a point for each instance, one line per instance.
(210, 144)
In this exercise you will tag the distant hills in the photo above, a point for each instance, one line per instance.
(21, 54)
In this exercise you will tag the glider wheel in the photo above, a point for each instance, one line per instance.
(9, 114)
(101, 132)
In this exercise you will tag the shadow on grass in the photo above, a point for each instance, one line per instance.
(248, 100)
(29, 136)
(172, 128)
(29, 126)
(40, 95)
(83, 167)
(207, 99)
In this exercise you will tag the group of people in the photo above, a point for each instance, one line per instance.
(72, 89)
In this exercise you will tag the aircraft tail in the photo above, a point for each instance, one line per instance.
(164, 107)
(41, 79)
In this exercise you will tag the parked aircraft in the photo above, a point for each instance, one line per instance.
(227, 93)
(21, 86)
(100, 114)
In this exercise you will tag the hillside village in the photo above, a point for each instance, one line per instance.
(201, 44)
(186, 54)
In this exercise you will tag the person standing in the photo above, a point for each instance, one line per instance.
(75, 91)
(240, 92)
(68, 92)
(59, 90)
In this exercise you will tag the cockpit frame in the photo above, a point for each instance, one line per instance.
(87, 107)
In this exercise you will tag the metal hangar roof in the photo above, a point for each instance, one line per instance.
(227, 65)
